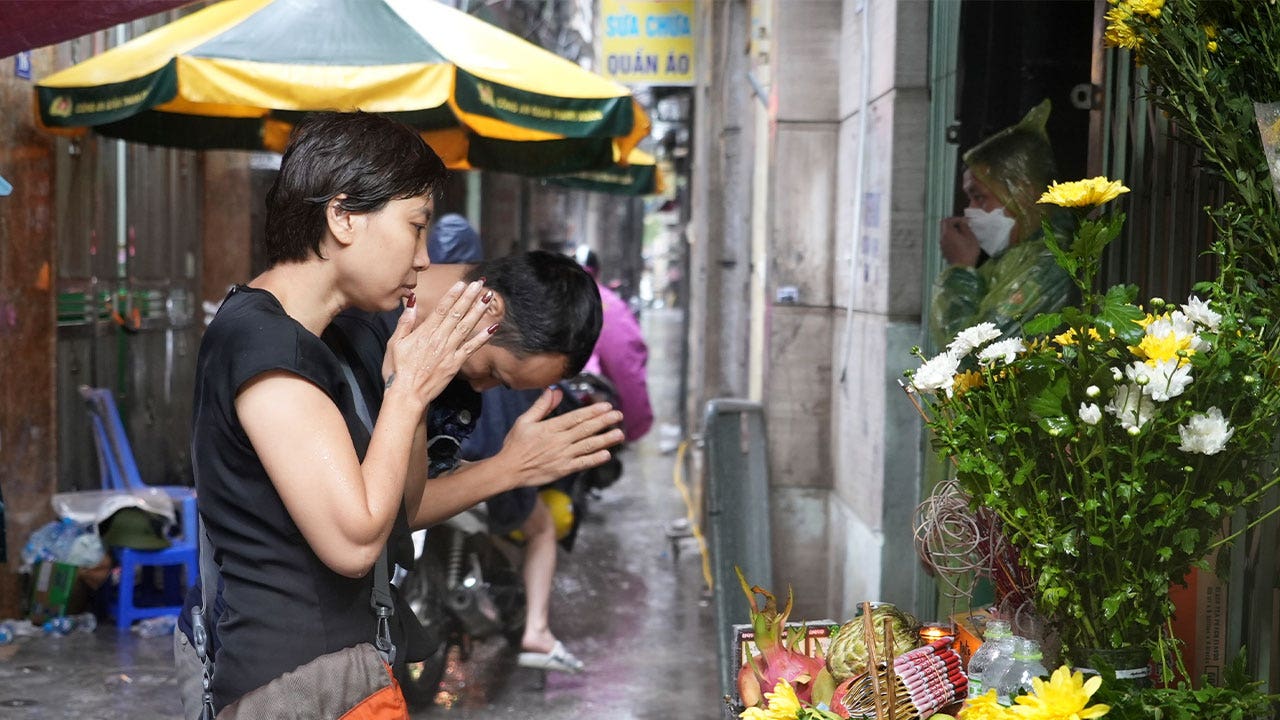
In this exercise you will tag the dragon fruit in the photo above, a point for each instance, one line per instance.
(776, 661)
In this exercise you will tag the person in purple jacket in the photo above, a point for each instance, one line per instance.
(621, 354)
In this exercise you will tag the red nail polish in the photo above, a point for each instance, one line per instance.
(493, 328)
(413, 300)
(486, 297)
(482, 279)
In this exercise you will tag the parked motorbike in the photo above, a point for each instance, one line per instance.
(465, 584)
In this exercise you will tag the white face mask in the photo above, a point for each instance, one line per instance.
(991, 228)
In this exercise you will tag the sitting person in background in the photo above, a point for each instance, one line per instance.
(999, 268)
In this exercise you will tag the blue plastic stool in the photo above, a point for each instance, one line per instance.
(180, 555)
(120, 472)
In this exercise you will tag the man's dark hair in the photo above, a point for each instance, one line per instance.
(369, 158)
(552, 305)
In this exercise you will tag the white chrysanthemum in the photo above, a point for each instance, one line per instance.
(1005, 349)
(1090, 413)
(1206, 433)
(936, 373)
(1199, 312)
(969, 338)
(1181, 327)
(1131, 407)
(1168, 380)
(1116, 374)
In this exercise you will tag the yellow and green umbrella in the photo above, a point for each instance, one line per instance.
(641, 175)
(239, 73)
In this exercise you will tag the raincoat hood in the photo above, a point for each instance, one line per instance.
(1016, 165)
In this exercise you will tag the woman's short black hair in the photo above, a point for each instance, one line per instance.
(369, 158)
(552, 305)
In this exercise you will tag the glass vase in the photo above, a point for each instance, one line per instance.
(1131, 665)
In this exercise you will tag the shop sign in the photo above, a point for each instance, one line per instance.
(647, 42)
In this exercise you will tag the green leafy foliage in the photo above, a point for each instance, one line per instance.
(1238, 698)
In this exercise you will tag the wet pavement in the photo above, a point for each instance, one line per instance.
(634, 612)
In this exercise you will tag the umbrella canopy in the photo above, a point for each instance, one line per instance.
(640, 176)
(239, 73)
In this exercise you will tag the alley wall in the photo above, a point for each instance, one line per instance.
(28, 440)
(842, 263)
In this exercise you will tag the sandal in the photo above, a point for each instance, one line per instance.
(559, 659)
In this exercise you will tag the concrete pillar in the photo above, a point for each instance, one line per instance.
(876, 283)
(801, 316)
(720, 226)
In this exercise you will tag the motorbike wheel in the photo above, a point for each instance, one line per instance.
(423, 589)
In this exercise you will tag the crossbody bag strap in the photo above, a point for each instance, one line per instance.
(380, 599)
(209, 578)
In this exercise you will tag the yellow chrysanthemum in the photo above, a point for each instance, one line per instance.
(984, 707)
(1150, 8)
(1212, 46)
(1064, 697)
(1069, 337)
(781, 704)
(1120, 32)
(966, 381)
(1156, 348)
(1083, 193)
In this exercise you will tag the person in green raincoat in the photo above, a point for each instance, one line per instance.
(999, 269)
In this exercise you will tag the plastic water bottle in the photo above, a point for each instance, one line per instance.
(156, 626)
(997, 643)
(59, 626)
(85, 622)
(999, 666)
(1016, 679)
(21, 628)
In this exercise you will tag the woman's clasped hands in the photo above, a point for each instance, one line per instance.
(422, 360)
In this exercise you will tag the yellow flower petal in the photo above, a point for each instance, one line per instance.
(1092, 684)
(1083, 193)
(1064, 696)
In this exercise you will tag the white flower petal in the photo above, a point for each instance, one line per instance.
(1006, 350)
(1199, 312)
(969, 338)
(1090, 413)
(1205, 433)
(936, 373)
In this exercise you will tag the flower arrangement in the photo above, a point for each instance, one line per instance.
(1113, 439)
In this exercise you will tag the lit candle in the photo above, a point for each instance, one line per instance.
(932, 632)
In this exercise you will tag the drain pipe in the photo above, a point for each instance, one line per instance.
(864, 9)
(122, 204)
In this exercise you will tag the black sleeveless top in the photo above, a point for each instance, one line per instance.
(284, 607)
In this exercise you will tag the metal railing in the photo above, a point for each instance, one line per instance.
(737, 517)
